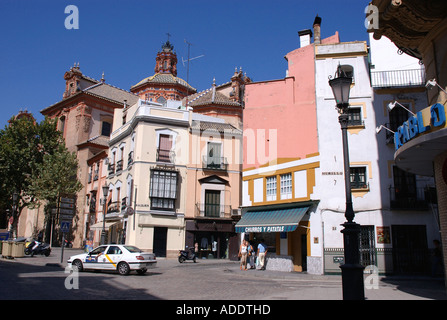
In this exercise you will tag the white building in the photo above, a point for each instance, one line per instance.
(397, 225)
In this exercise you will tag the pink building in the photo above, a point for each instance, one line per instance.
(281, 158)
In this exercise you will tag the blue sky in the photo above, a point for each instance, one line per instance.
(122, 39)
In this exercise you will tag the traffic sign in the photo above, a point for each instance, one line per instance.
(65, 226)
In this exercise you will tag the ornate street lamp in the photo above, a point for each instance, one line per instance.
(351, 270)
(105, 191)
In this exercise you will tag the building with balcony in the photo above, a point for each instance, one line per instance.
(390, 205)
(85, 116)
(419, 29)
(214, 187)
(147, 176)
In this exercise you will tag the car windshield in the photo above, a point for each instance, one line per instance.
(132, 249)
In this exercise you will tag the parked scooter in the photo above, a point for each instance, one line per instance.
(37, 247)
(68, 244)
(187, 254)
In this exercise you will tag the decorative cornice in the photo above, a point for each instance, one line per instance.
(407, 23)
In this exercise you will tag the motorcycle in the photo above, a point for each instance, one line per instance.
(187, 254)
(37, 247)
(68, 244)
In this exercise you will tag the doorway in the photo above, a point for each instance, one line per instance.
(410, 250)
(160, 238)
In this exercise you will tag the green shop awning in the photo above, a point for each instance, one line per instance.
(275, 220)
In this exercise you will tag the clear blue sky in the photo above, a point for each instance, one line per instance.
(122, 39)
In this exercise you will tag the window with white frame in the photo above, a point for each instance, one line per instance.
(271, 188)
(163, 189)
(286, 186)
(358, 178)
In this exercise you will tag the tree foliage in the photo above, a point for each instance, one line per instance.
(34, 163)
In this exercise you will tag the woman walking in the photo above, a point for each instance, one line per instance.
(243, 249)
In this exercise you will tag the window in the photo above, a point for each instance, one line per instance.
(114, 250)
(163, 189)
(271, 188)
(398, 116)
(212, 203)
(354, 117)
(62, 124)
(348, 71)
(358, 178)
(164, 149)
(286, 186)
(214, 160)
(106, 128)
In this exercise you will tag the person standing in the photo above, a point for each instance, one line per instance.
(251, 255)
(243, 250)
(262, 251)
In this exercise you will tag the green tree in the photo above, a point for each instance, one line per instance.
(25, 146)
(55, 176)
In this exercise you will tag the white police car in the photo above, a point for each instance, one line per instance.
(122, 258)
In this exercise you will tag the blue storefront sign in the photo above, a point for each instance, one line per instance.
(415, 125)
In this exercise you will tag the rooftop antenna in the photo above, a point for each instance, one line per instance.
(187, 69)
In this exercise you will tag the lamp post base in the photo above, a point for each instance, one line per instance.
(352, 282)
(352, 270)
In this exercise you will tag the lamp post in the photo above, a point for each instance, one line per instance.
(105, 191)
(352, 271)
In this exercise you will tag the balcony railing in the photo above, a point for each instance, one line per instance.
(111, 168)
(113, 207)
(167, 156)
(416, 199)
(214, 163)
(398, 78)
(119, 165)
(210, 210)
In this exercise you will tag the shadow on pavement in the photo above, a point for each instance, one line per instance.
(424, 287)
(23, 281)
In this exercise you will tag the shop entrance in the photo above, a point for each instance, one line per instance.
(212, 245)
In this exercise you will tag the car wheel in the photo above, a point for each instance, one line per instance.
(123, 268)
(142, 271)
(77, 265)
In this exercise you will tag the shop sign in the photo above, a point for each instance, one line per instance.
(415, 125)
(265, 229)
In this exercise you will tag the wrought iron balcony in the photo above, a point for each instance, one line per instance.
(214, 163)
(111, 168)
(409, 198)
(119, 165)
(210, 210)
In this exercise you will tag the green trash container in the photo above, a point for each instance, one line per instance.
(7, 249)
(18, 249)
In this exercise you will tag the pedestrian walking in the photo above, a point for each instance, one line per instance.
(251, 255)
(243, 251)
(262, 251)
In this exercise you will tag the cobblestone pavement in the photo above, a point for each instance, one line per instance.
(45, 278)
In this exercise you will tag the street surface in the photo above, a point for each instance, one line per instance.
(41, 278)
